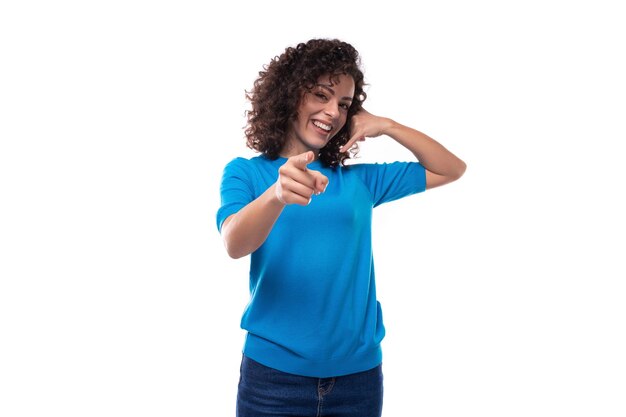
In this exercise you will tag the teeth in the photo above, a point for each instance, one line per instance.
(322, 126)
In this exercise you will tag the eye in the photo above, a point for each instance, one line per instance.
(344, 106)
(320, 95)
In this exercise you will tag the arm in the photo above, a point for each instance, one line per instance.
(245, 231)
(442, 166)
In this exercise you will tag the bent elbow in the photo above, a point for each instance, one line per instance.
(460, 170)
(452, 174)
(236, 255)
(234, 251)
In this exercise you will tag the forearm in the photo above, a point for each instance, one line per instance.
(246, 230)
(430, 153)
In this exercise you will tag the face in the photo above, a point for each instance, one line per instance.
(322, 113)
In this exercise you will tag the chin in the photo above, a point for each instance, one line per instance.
(318, 145)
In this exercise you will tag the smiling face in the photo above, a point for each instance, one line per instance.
(322, 113)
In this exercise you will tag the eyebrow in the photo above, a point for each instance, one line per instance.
(327, 87)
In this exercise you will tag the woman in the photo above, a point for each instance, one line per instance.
(313, 323)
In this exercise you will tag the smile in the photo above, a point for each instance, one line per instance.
(322, 126)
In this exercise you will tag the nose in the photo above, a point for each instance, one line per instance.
(332, 109)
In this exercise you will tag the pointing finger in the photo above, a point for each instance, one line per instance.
(351, 142)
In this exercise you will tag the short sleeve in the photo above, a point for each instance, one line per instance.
(236, 189)
(391, 181)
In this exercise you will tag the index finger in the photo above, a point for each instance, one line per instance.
(351, 142)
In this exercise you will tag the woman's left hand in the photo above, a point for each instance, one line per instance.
(365, 125)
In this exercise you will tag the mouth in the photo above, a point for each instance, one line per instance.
(322, 127)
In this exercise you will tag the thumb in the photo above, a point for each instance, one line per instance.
(302, 160)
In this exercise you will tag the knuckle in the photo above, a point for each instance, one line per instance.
(283, 183)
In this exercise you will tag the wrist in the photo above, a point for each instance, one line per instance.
(389, 125)
(275, 198)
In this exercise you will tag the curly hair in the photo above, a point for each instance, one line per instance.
(277, 92)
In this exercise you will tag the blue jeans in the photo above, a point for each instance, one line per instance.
(265, 392)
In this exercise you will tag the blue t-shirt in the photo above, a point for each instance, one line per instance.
(313, 309)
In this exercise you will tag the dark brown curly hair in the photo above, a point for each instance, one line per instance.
(277, 92)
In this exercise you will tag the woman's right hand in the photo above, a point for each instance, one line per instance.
(246, 230)
(296, 183)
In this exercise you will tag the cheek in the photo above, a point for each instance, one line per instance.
(300, 120)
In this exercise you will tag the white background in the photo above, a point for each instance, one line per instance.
(503, 293)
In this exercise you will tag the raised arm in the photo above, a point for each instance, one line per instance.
(442, 166)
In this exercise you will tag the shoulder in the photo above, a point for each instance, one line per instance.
(246, 164)
(240, 161)
(389, 172)
(381, 166)
(376, 167)
(257, 170)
